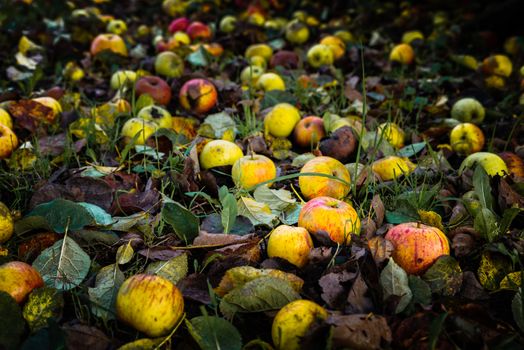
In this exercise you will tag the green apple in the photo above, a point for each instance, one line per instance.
(139, 126)
(251, 74)
(468, 110)
(116, 26)
(169, 64)
(320, 55)
(227, 24)
(297, 32)
(157, 115)
(122, 78)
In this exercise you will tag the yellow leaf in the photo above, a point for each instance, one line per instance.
(512, 281)
(25, 45)
(431, 218)
(492, 270)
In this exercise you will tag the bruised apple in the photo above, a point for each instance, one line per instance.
(149, 303)
(293, 321)
(290, 243)
(316, 186)
(219, 153)
(18, 279)
(329, 219)
(417, 246)
(198, 96)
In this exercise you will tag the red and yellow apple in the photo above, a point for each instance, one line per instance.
(253, 169)
(219, 153)
(149, 303)
(290, 243)
(178, 24)
(110, 42)
(466, 138)
(155, 87)
(337, 45)
(199, 31)
(309, 131)
(198, 95)
(328, 218)
(8, 141)
(417, 246)
(497, 65)
(18, 279)
(317, 186)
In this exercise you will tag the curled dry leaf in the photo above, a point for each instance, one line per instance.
(360, 331)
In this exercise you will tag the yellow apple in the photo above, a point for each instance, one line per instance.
(337, 45)
(122, 78)
(290, 243)
(251, 74)
(392, 133)
(271, 81)
(492, 163)
(293, 321)
(5, 118)
(145, 129)
(468, 110)
(316, 186)
(219, 153)
(227, 24)
(466, 138)
(412, 35)
(6, 223)
(117, 26)
(320, 55)
(149, 303)
(157, 115)
(392, 167)
(402, 53)
(297, 32)
(169, 64)
(497, 65)
(110, 42)
(329, 220)
(8, 141)
(262, 50)
(253, 169)
(281, 120)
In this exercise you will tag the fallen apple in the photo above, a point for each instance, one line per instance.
(18, 279)
(253, 169)
(219, 153)
(6, 223)
(198, 95)
(157, 115)
(466, 138)
(317, 186)
(468, 110)
(281, 120)
(392, 167)
(309, 131)
(108, 42)
(290, 243)
(155, 87)
(8, 141)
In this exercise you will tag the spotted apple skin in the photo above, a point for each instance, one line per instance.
(198, 95)
(18, 279)
(417, 246)
(326, 217)
(150, 304)
(317, 186)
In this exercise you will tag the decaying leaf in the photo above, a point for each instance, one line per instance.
(360, 331)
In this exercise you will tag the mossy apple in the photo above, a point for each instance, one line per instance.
(169, 64)
(138, 126)
(253, 169)
(309, 131)
(149, 303)
(402, 53)
(329, 220)
(320, 55)
(468, 110)
(316, 186)
(109, 42)
(466, 138)
(219, 153)
(281, 120)
(18, 279)
(290, 243)
(417, 246)
(198, 96)
(157, 115)
(293, 321)
(8, 141)
(392, 167)
(271, 81)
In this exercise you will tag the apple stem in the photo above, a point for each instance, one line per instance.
(250, 151)
(418, 224)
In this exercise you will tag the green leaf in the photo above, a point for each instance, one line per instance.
(394, 281)
(258, 213)
(215, 125)
(395, 217)
(184, 222)
(30, 223)
(213, 224)
(229, 212)
(411, 150)
(173, 269)
(290, 215)
(11, 322)
(278, 200)
(507, 218)
(435, 329)
(482, 187)
(43, 304)
(444, 276)
(199, 58)
(261, 294)
(517, 308)
(485, 223)
(100, 216)
(420, 289)
(64, 265)
(212, 333)
(274, 97)
(103, 295)
(61, 214)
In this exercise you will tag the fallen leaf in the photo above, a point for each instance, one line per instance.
(359, 331)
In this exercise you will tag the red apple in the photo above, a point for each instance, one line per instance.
(198, 30)
(327, 218)
(178, 25)
(156, 87)
(198, 95)
(417, 246)
(18, 279)
(309, 131)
